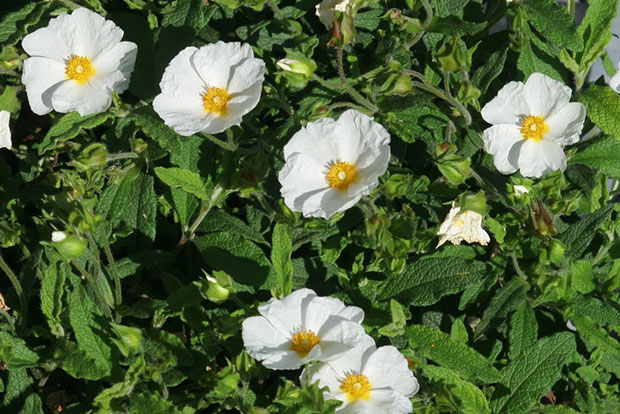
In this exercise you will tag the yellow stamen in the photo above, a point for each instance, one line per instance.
(341, 175)
(79, 69)
(534, 127)
(215, 100)
(303, 342)
(356, 387)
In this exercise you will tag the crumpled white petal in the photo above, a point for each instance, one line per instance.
(310, 154)
(614, 82)
(5, 129)
(531, 124)
(84, 34)
(192, 72)
(462, 226)
(325, 10)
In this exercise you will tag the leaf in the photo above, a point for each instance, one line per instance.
(143, 205)
(15, 352)
(595, 334)
(427, 280)
(52, 290)
(15, 25)
(578, 236)
(77, 363)
(531, 376)
(602, 153)
(114, 198)
(505, 301)
(281, 258)
(9, 101)
(532, 59)
(554, 23)
(603, 108)
(492, 67)
(218, 220)
(471, 400)
(188, 13)
(440, 348)
(523, 331)
(595, 29)
(416, 118)
(186, 180)
(69, 127)
(85, 320)
(452, 25)
(151, 403)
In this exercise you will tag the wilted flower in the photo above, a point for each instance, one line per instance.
(368, 380)
(77, 61)
(462, 225)
(5, 130)
(3, 304)
(331, 164)
(210, 89)
(302, 327)
(614, 82)
(531, 124)
(326, 9)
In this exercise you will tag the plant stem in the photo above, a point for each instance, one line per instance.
(325, 83)
(121, 156)
(98, 293)
(515, 263)
(570, 5)
(189, 234)
(17, 286)
(230, 146)
(8, 318)
(356, 95)
(429, 13)
(118, 294)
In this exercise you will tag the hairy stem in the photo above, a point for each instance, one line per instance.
(103, 304)
(230, 146)
(17, 286)
(189, 234)
(118, 294)
(356, 95)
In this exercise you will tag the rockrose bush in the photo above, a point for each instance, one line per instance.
(309, 207)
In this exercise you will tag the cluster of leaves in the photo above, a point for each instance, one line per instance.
(133, 325)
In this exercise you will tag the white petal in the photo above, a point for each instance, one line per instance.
(508, 107)
(285, 359)
(303, 183)
(92, 34)
(539, 158)
(388, 368)
(181, 81)
(357, 407)
(382, 401)
(260, 338)
(70, 96)
(214, 63)
(185, 118)
(55, 41)
(614, 82)
(116, 65)
(5, 130)
(499, 141)
(361, 138)
(401, 405)
(286, 314)
(40, 75)
(545, 95)
(245, 75)
(317, 140)
(334, 201)
(338, 335)
(566, 124)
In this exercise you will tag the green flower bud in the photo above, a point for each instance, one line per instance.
(452, 56)
(397, 185)
(474, 202)
(556, 252)
(69, 247)
(469, 94)
(455, 169)
(297, 67)
(130, 339)
(92, 158)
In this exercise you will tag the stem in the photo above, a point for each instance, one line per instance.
(570, 5)
(429, 12)
(515, 263)
(346, 105)
(230, 146)
(325, 83)
(356, 95)
(118, 294)
(8, 319)
(121, 156)
(189, 234)
(98, 293)
(16, 285)
(438, 93)
(280, 16)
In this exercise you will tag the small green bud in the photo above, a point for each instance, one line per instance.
(92, 158)
(556, 252)
(455, 169)
(469, 94)
(452, 56)
(69, 247)
(130, 339)
(397, 185)
(474, 202)
(297, 68)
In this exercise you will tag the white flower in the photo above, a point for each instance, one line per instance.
(77, 61)
(331, 164)
(368, 380)
(325, 10)
(531, 124)
(462, 225)
(302, 327)
(210, 89)
(5, 131)
(614, 82)
(58, 236)
(3, 304)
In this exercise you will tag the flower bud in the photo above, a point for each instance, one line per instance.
(469, 94)
(474, 202)
(452, 56)
(297, 68)
(68, 246)
(92, 158)
(556, 252)
(219, 287)
(455, 168)
(130, 338)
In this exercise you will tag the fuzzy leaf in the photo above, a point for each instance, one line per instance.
(579, 235)
(281, 258)
(14, 25)
(602, 153)
(595, 29)
(471, 400)
(70, 127)
(504, 301)
(554, 23)
(523, 331)
(492, 67)
(15, 352)
(186, 180)
(603, 108)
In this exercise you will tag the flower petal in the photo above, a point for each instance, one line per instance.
(245, 76)
(499, 141)
(286, 314)
(260, 338)
(55, 41)
(39, 75)
(116, 65)
(316, 140)
(92, 34)
(508, 107)
(5, 129)
(566, 124)
(180, 80)
(614, 82)
(185, 118)
(69, 96)
(539, 158)
(388, 368)
(361, 139)
(545, 95)
(338, 335)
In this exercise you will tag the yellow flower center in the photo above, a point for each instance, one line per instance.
(341, 175)
(356, 387)
(79, 69)
(215, 100)
(534, 127)
(303, 342)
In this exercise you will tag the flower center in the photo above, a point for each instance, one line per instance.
(341, 175)
(215, 100)
(534, 127)
(303, 342)
(356, 387)
(79, 69)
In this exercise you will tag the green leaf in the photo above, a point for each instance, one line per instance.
(602, 153)
(143, 206)
(189, 13)
(151, 403)
(114, 198)
(69, 127)
(523, 331)
(9, 101)
(492, 67)
(18, 385)
(427, 280)
(77, 363)
(440, 348)
(578, 236)
(415, 118)
(595, 29)
(532, 59)
(452, 25)
(553, 22)
(218, 220)
(186, 180)
(16, 24)
(52, 290)
(281, 258)
(595, 334)
(531, 376)
(15, 352)
(603, 108)
(85, 320)
(470, 399)
(505, 301)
